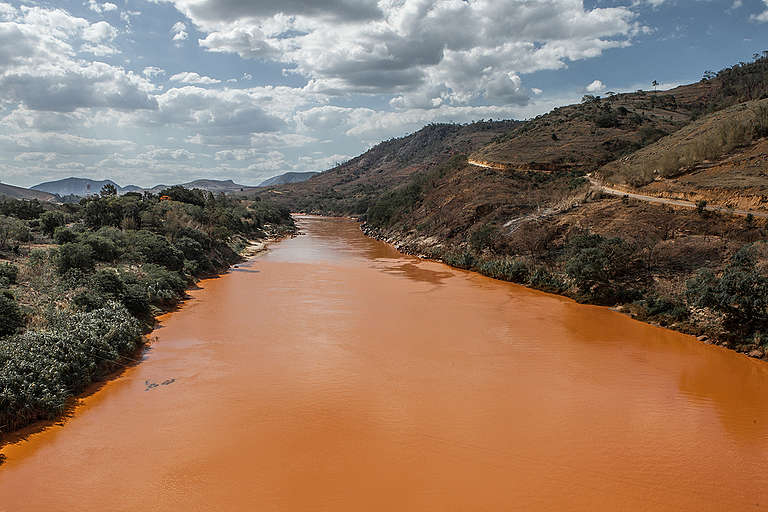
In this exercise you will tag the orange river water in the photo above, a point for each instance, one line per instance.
(332, 373)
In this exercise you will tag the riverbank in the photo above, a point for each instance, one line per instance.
(84, 284)
(251, 249)
(697, 322)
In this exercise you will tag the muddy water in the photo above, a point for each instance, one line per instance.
(334, 374)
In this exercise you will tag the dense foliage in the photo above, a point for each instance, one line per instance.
(74, 308)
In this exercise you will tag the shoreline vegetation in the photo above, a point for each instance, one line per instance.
(725, 308)
(82, 284)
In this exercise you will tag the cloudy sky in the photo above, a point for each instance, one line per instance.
(165, 91)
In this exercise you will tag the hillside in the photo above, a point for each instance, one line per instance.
(599, 130)
(24, 193)
(721, 158)
(288, 177)
(351, 187)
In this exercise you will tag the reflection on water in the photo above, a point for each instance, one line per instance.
(333, 373)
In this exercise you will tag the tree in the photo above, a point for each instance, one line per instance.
(740, 293)
(655, 84)
(49, 221)
(108, 190)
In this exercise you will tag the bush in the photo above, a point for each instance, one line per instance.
(190, 248)
(665, 310)
(595, 264)
(164, 288)
(74, 256)
(154, 248)
(11, 318)
(136, 300)
(109, 282)
(544, 280)
(63, 235)
(13, 231)
(461, 259)
(49, 221)
(740, 292)
(103, 248)
(8, 274)
(481, 237)
(506, 269)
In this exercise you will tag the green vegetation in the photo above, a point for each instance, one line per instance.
(73, 309)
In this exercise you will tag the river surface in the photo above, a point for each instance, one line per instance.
(332, 373)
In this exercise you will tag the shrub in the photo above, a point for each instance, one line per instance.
(190, 248)
(11, 318)
(88, 299)
(108, 282)
(701, 206)
(74, 256)
(461, 259)
(13, 231)
(542, 279)
(49, 221)
(506, 269)
(595, 264)
(164, 288)
(103, 248)
(8, 273)
(481, 237)
(63, 235)
(155, 248)
(740, 292)
(136, 300)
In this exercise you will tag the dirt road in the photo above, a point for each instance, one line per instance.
(640, 197)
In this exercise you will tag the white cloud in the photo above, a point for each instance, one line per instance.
(595, 86)
(427, 52)
(40, 68)
(763, 16)
(193, 78)
(179, 32)
(60, 143)
(101, 7)
(153, 72)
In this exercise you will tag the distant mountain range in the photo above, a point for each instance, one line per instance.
(83, 187)
(75, 187)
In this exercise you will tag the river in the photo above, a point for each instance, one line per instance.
(332, 373)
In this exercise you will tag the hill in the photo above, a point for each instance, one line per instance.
(599, 130)
(288, 177)
(720, 158)
(25, 193)
(74, 186)
(350, 187)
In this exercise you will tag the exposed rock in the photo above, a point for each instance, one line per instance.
(756, 353)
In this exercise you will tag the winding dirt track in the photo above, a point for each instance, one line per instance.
(648, 199)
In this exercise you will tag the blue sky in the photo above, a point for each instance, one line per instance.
(166, 91)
